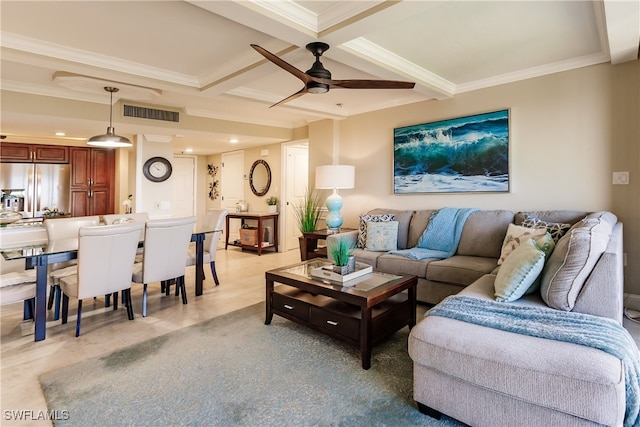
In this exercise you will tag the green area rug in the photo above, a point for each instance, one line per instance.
(234, 370)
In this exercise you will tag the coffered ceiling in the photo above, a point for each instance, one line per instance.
(194, 58)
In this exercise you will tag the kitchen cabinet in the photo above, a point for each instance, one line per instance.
(92, 181)
(33, 153)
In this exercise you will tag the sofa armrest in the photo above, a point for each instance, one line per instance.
(350, 236)
(603, 292)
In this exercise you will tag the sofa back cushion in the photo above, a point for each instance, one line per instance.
(560, 216)
(484, 232)
(418, 224)
(573, 259)
(403, 218)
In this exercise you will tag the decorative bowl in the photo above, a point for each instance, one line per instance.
(9, 217)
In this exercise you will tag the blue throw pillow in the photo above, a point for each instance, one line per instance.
(519, 271)
(382, 236)
(364, 219)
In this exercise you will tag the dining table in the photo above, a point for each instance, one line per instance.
(39, 255)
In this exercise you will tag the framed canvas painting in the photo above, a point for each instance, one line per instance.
(466, 154)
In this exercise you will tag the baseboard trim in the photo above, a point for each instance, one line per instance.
(632, 301)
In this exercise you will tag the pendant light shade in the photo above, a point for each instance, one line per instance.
(110, 139)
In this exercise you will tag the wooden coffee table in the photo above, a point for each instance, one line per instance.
(363, 315)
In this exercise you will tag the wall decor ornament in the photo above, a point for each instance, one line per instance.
(465, 154)
(214, 187)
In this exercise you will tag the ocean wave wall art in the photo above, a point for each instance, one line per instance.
(466, 154)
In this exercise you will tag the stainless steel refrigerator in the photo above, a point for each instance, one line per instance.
(41, 185)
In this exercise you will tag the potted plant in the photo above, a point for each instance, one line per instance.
(341, 252)
(307, 211)
(272, 203)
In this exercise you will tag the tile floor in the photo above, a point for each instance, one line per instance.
(22, 360)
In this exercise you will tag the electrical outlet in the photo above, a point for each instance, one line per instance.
(621, 178)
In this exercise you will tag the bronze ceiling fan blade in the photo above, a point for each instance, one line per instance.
(282, 63)
(318, 80)
(370, 84)
(292, 97)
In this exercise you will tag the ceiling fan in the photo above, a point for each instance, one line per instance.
(318, 79)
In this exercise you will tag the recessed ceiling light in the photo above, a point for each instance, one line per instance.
(61, 134)
(189, 150)
(233, 140)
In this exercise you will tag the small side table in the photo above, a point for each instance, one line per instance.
(260, 217)
(309, 242)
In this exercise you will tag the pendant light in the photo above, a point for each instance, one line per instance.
(110, 139)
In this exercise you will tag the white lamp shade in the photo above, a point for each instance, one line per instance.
(335, 176)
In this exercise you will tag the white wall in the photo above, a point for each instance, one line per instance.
(562, 150)
(152, 197)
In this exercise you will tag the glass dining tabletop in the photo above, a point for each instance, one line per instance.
(29, 250)
(40, 254)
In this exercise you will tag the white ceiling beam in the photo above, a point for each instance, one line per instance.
(623, 29)
(256, 16)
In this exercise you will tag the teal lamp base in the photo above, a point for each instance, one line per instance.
(334, 204)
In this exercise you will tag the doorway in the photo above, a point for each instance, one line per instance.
(232, 187)
(183, 178)
(295, 175)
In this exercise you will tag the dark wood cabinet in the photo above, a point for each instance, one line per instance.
(33, 153)
(92, 181)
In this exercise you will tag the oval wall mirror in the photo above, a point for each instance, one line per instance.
(260, 177)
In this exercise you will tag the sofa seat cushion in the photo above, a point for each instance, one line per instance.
(396, 264)
(460, 269)
(367, 257)
(570, 378)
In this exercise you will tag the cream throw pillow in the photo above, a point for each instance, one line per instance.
(571, 262)
(516, 235)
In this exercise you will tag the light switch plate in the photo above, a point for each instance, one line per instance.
(621, 178)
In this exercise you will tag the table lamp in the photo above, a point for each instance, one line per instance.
(334, 177)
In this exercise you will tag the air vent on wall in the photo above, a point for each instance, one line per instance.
(151, 113)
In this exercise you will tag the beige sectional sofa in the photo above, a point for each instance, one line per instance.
(490, 377)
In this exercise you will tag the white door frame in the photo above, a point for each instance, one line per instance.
(285, 210)
(194, 181)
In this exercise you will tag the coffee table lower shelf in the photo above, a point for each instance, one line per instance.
(362, 326)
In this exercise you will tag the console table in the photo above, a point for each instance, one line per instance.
(261, 218)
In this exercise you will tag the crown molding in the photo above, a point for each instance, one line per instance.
(530, 73)
(94, 85)
(290, 11)
(207, 114)
(319, 110)
(47, 49)
(55, 92)
(376, 54)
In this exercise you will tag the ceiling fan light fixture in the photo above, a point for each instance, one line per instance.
(110, 139)
(317, 88)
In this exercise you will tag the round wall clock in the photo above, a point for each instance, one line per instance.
(157, 169)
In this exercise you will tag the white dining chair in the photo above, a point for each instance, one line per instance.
(214, 220)
(59, 229)
(19, 287)
(166, 242)
(141, 217)
(106, 255)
